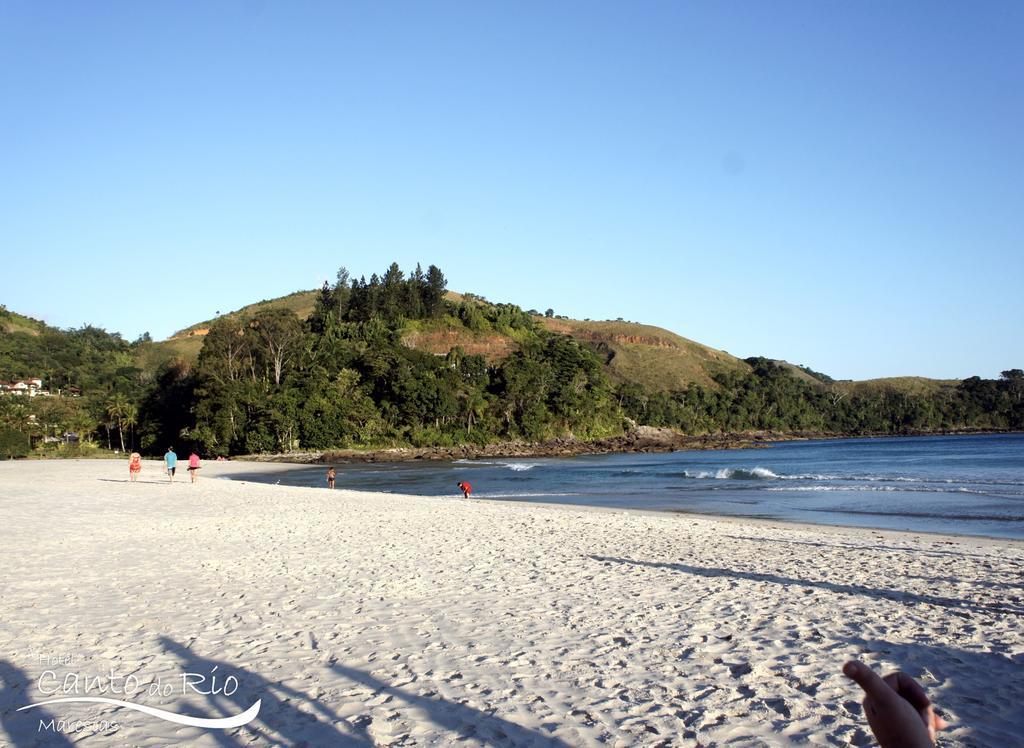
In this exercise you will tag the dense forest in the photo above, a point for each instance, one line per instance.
(272, 382)
(94, 376)
(770, 398)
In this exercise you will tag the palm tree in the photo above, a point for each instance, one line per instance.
(83, 424)
(474, 405)
(108, 424)
(117, 409)
(131, 420)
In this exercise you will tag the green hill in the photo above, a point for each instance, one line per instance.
(13, 322)
(185, 344)
(655, 358)
(300, 303)
(650, 356)
(905, 385)
(372, 369)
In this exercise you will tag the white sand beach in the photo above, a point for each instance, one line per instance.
(379, 619)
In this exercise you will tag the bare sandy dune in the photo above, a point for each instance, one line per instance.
(371, 619)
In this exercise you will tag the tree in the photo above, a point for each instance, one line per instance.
(226, 372)
(131, 420)
(412, 300)
(13, 443)
(169, 408)
(342, 292)
(322, 308)
(473, 406)
(1014, 379)
(82, 424)
(226, 348)
(280, 333)
(433, 293)
(549, 313)
(336, 412)
(392, 293)
(118, 409)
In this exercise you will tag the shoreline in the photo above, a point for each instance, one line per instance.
(773, 523)
(643, 439)
(230, 469)
(272, 467)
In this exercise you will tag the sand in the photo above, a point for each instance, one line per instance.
(378, 619)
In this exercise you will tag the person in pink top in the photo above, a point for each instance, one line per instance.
(134, 466)
(193, 465)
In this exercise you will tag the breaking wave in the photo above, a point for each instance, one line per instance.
(762, 473)
(516, 467)
(888, 489)
(757, 473)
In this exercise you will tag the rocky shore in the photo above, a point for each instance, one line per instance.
(640, 439)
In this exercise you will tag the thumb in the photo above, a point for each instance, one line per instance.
(870, 681)
(933, 723)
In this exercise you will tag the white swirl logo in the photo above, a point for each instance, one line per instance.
(216, 723)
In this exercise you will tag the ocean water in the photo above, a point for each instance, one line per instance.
(965, 485)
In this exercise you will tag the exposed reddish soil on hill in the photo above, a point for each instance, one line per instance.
(491, 347)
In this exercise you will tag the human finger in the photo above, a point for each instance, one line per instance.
(912, 692)
(909, 689)
(870, 682)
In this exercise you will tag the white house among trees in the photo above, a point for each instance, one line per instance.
(24, 387)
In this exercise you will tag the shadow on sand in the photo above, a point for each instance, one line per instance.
(851, 547)
(298, 720)
(22, 728)
(140, 480)
(314, 725)
(907, 598)
(457, 718)
(984, 690)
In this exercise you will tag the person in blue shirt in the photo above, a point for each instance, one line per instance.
(172, 460)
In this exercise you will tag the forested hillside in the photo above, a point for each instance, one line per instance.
(94, 378)
(399, 360)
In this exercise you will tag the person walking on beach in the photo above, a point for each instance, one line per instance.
(172, 461)
(193, 465)
(330, 476)
(466, 489)
(134, 466)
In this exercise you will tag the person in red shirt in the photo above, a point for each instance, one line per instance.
(134, 466)
(193, 466)
(466, 489)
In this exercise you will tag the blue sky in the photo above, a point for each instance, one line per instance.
(836, 184)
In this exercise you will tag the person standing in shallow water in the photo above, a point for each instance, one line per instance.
(330, 476)
(466, 489)
(171, 460)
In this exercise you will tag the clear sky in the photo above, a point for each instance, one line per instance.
(840, 184)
